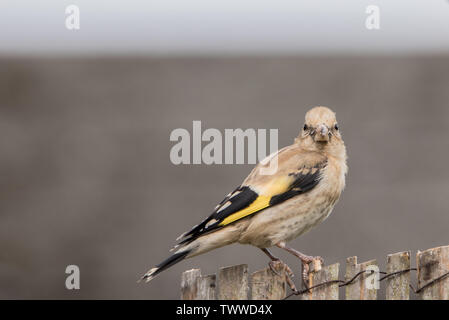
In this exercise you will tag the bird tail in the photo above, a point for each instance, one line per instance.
(164, 265)
(194, 247)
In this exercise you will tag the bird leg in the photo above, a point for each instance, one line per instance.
(305, 259)
(275, 263)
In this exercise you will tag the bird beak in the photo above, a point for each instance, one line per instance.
(322, 133)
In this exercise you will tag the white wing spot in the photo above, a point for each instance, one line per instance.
(211, 222)
(224, 206)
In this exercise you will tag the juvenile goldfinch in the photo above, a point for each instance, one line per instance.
(269, 210)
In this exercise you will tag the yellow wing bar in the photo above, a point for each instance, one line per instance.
(260, 203)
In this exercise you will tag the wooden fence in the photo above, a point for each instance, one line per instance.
(361, 280)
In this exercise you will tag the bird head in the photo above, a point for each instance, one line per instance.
(320, 130)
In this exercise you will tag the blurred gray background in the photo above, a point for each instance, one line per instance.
(85, 172)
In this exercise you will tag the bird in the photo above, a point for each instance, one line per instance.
(269, 209)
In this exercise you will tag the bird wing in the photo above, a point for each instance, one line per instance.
(297, 172)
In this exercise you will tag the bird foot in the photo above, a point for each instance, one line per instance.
(307, 261)
(278, 264)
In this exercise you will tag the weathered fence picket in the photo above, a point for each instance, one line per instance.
(233, 283)
(432, 264)
(362, 280)
(359, 288)
(325, 292)
(267, 285)
(206, 287)
(398, 286)
(189, 284)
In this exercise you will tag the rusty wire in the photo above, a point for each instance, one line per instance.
(342, 283)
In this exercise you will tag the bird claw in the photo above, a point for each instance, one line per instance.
(291, 284)
(273, 266)
(306, 267)
(320, 259)
(305, 275)
(276, 265)
(309, 259)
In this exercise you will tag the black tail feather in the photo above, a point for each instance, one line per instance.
(164, 265)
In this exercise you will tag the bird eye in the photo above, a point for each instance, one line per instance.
(336, 126)
(306, 127)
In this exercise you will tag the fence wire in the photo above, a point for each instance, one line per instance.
(342, 283)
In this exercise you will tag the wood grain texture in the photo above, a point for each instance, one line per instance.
(398, 286)
(326, 292)
(207, 287)
(233, 283)
(189, 284)
(433, 263)
(266, 285)
(358, 290)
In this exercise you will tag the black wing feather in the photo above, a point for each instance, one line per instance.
(239, 199)
(243, 196)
